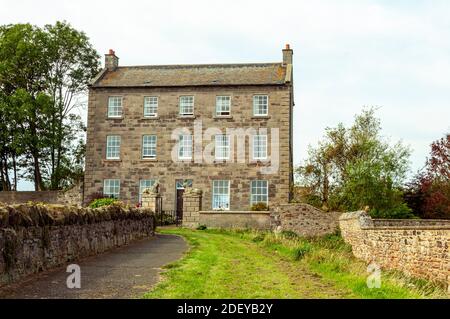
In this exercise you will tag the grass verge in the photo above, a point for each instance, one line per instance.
(250, 264)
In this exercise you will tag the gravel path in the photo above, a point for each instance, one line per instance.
(125, 272)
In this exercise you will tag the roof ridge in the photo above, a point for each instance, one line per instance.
(174, 66)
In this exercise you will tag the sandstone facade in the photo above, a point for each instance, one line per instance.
(204, 83)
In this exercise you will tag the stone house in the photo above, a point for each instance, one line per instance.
(225, 129)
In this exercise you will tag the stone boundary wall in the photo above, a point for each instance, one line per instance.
(73, 196)
(235, 219)
(305, 220)
(418, 248)
(37, 237)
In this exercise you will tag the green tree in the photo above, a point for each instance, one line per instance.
(44, 73)
(73, 63)
(23, 66)
(354, 167)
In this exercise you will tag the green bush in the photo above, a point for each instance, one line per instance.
(201, 227)
(100, 202)
(259, 207)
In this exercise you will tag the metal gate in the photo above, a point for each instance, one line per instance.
(165, 217)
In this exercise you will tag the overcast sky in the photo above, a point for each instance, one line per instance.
(347, 53)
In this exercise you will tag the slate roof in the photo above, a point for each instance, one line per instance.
(194, 75)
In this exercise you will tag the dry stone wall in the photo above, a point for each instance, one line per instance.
(73, 196)
(36, 237)
(419, 248)
(305, 220)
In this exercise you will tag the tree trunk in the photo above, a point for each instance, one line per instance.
(6, 185)
(15, 171)
(37, 174)
(2, 177)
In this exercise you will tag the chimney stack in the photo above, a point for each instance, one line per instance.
(287, 55)
(111, 60)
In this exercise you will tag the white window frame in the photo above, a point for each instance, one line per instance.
(151, 106)
(116, 110)
(259, 147)
(257, 105)
(220, 105)
(216, 185)
(185, 143)
(143, 185)
(182, 106)
(224, 149)
(149, 146)
(256, 184)
(115, 193)
(113, 147)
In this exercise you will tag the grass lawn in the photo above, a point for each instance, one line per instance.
(247, 264)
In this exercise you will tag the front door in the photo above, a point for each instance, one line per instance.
(180, 185)
(180, 193)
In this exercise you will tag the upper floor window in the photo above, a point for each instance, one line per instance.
(150, 106)
(115, 106)
(185, 147)
(259, 147)
(111, 188)
(222, 147)
(221, 195)
(144, 184)
(186, 105)
(149, 146)
(259, 192)
(113, 147)
(260, 105)
(223, 105)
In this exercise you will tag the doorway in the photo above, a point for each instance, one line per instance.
(180, 185)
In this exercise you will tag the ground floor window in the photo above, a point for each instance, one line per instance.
(143, 184)
(259, 192)
(221, 195)
(111, 188)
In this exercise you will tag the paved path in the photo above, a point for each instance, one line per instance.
(125, 272)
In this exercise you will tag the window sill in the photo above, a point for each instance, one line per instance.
(235, 212)
(221, 117)
(221, 161)
(186, 117)
(150, 118)
(112, 160)
(185, 160)
(260, 162)
(111, 118)
(261, 117)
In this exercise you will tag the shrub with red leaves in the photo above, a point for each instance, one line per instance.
(429, 194)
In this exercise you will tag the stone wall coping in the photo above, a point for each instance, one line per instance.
(367, 222)
(416, 227)
(229, 212)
